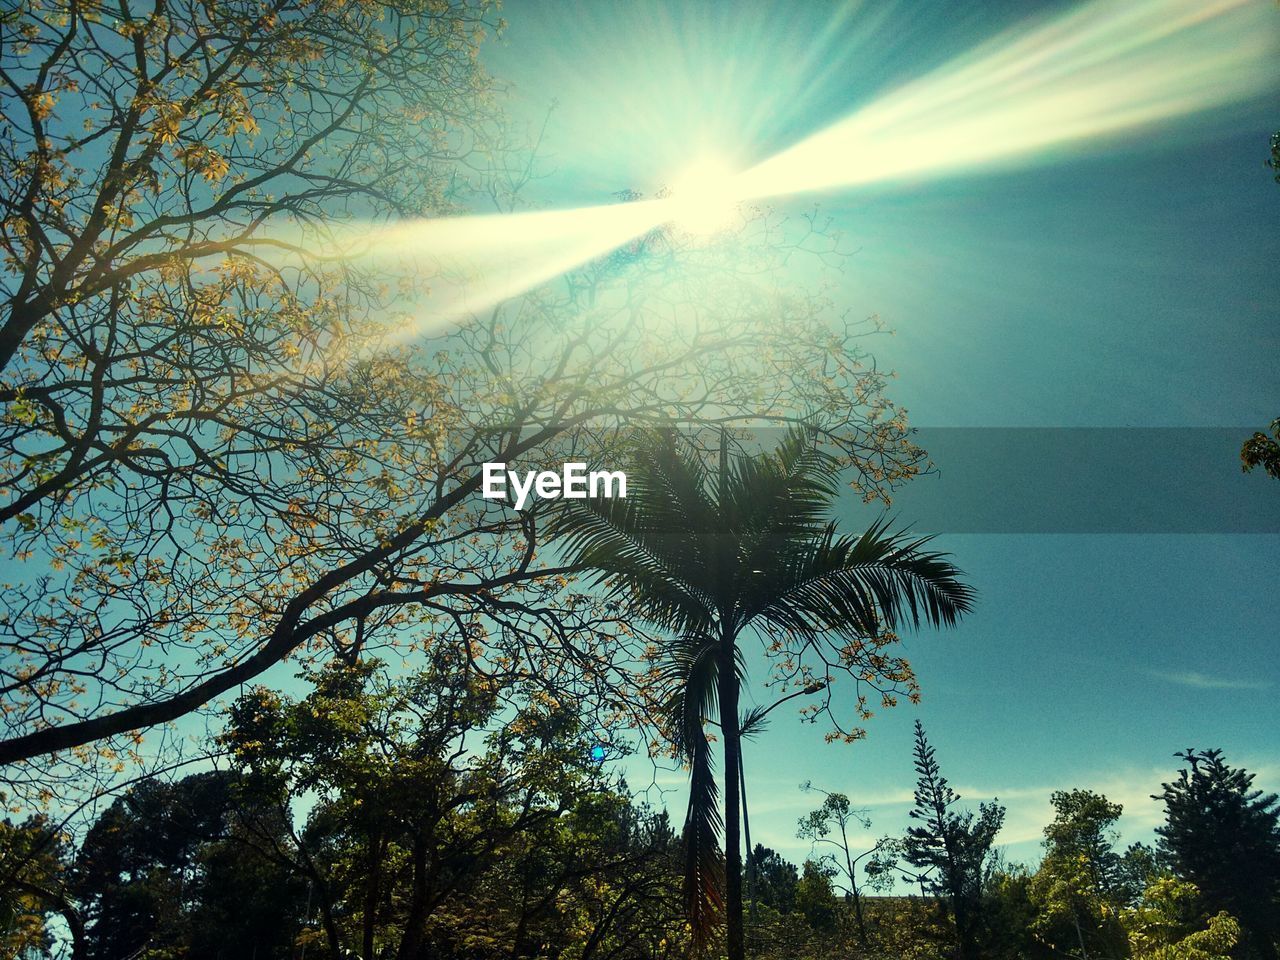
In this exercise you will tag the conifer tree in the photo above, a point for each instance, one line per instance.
(1224, 836)
(950, 847)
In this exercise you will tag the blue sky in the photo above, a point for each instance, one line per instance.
(1123, 281)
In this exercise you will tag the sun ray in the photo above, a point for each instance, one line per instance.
(1100, 70)
(1097, 71)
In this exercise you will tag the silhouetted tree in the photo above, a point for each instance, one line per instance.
(950, 846)
(1224, 836)
(714, 557)
(169, 868)
(829, 825)
(776, 879)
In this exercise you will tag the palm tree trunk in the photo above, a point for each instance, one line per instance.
(734, 775)
(749, 866)
(736, 945)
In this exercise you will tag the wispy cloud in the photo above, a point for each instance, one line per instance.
(1203, 681)
(777, 803)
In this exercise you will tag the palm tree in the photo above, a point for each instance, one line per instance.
(708, 556)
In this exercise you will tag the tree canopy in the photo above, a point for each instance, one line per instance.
(1223, 835)
(222, 447)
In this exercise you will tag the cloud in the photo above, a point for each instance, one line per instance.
(1202, 681)
(1029, 808)
(777, 803)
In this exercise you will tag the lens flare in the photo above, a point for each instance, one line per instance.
(476, 262)
(1098, 71)
(1101, 70)
(704, 198)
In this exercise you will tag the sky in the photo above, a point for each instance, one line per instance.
(1120, 279)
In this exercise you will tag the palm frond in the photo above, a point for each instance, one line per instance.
(854, 585)
(753, 722)
(650, 546)
(704, 864)
(690, 671)
(785, 497)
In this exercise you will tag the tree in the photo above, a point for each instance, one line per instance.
(1263, 451)
(176, 867)
(221, 447)
(1008, 913)
(1223, 836)
(451, 816)
(950, 847)
(165, 392)
(709, 556)
(775, 879)
(33, 886)
(434, 828)
(601, 882)
(1080, 888)
(1166, 925)
(830, 825)
(1083, 828)
(815, 897)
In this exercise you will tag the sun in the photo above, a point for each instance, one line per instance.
(703, 199)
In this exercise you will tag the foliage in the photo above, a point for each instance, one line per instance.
(1083, 830)
(1163, 925)
(171, 388)
(224, 443)
(445, 823)
(829, 825)
(437, 823)
(775, 879)
(708, 555)
(1009, 914)
(1261, 450)
(815, 896)
(950, 847)
(1208, 801)
(1083, 886)
(33, 868)
(164, 869)
(379, 790)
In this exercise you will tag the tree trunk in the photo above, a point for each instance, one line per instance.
(850, 869)
(736, 946)
(857, 913)
(372, 893)
(411, 941)
(749, 865)
(961, 913)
